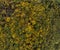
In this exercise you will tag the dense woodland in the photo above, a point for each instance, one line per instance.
(29, 24)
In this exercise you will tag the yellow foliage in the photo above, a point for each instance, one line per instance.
(33, 22)
(14, 35)
(7, 19)
(22, 14)
(17, 10)
(24, 4)
(27, 22)
(29, 28)
(38, 49)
